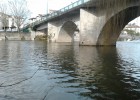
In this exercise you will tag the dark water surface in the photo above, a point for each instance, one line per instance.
(37, 71)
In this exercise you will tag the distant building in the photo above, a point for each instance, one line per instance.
(11, 26)
(133, 27)
(51, 11)
(33, 19)
(39, 17)
(125, 36)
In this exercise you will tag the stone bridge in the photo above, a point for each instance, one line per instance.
(94, 22)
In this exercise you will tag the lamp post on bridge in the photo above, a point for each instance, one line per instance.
(47, 8)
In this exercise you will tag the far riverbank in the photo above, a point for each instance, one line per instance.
(21, 36)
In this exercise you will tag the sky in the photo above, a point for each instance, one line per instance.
(137, 21)
(40, 6)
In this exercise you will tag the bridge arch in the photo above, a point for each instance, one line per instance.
(113, 27)
(66, 33)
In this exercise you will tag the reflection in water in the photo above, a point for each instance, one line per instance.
(65, 72)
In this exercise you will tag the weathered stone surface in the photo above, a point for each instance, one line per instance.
(100, 22)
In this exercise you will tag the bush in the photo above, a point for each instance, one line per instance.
(22, 38)
(41, 37)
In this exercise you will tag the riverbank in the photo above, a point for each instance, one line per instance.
(22, 36)
(15, 36)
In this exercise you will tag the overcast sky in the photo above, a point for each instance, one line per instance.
(40, 6)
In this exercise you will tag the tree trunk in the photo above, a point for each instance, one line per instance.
(5, 34)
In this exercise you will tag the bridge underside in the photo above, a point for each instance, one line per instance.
(100, 23)
(103, 28)
(116, 24)
(66, 32)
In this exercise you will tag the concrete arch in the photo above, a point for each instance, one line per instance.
(67, 31)
(113, 27)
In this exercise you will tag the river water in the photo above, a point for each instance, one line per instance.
(31, 70)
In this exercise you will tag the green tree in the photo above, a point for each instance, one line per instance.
(130, 32)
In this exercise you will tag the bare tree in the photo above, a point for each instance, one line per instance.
(19, 11)
(4, 17)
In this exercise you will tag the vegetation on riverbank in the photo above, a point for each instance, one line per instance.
(41, 37)
(132, 32)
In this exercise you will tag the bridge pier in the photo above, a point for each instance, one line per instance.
(52, 32)
(66, 32)
(102, 28)
(90, 26)
(99, 23)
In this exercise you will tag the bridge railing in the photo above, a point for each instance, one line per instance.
(67, 8)
(59, 12)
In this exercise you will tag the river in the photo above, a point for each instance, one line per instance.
(33, 70)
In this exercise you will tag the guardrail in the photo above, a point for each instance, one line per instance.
(59, 12)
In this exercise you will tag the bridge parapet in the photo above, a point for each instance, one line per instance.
(58, 13)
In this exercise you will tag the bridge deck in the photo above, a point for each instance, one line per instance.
(74, 6)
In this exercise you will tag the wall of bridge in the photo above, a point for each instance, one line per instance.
(90, 25)
(102, 26)
(61, 29)
(97, 25)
